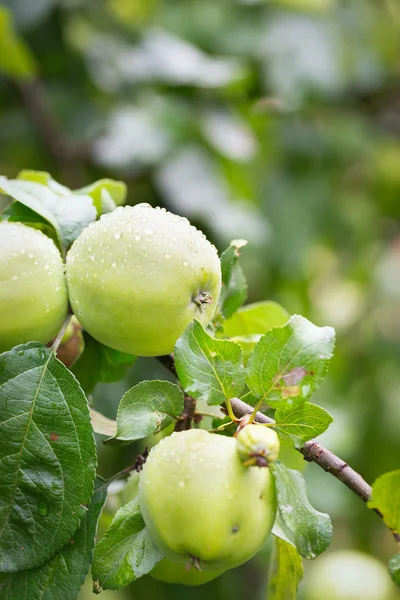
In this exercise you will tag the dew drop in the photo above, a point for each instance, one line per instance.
(181, 484)
(149, 231)
(138, 238)
(117, 235)
(166, 255)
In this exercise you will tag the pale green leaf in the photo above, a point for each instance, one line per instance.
(300, 423)
(386, 499)
(286, 572)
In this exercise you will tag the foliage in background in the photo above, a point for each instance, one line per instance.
(277, 122)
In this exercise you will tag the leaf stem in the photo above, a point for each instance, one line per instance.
(230, 410)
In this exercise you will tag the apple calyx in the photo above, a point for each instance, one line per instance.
(203, 299)
(257, 445)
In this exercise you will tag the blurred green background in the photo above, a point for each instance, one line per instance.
(274, 121)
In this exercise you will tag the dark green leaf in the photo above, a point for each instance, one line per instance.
(394, 568)
(147, 408)
(386, 499)
(62, 576)
(208, 369)
(298, 424)
(100, 363)
(289, 363)
(311, 530)
(286, 572)
(16, 59)
(47, 456)
(234, 285)
(126, 552)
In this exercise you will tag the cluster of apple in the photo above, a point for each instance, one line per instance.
(135, 279)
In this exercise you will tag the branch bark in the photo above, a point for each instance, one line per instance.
(312, 451)
(69, 154)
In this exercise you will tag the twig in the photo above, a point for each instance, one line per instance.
(188, 414)
(69, 154)
(312, 451)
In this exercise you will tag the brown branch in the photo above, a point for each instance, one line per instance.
(188, 414)
(69, 154)
(312, 451)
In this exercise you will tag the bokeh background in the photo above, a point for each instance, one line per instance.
(274, 121)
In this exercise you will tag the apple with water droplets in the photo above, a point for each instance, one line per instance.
(33, 291)
(203, 507)
(172, 572)
(139, 276)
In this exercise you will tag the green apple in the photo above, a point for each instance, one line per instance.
(257, 444)
(202, 506)
(172, 572)
(348, 575)
(33, 291)
(139, 276)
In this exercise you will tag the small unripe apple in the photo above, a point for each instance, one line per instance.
(33, 291)
(202, 506)
(139, 276)
(172, 572)
(257, 445)
(348, 575)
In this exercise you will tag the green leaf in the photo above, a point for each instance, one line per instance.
(289, 363)
(16, 59)
(44, 178)
(394, 568)
(281, 530)
(147, 408)
(19, 213)
(47, 456)
(208, 369)
(386, 499)
(286, 572)
(298, 424)
(126, 552)
(234, 285)
(256, 318)
(68, 215)
(100, 363)
(107, 194)
(312, 530)
(62, 576)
